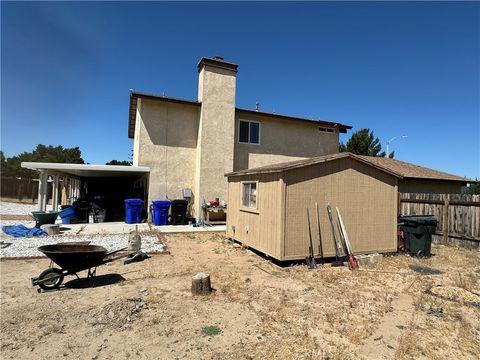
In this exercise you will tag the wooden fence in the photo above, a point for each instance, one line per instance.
(458, 216)
(20, 189)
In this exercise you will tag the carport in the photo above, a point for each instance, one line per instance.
(73, 181)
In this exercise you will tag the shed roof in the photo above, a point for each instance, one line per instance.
(399, 169)
(134, 96)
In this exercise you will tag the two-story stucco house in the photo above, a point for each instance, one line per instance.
(193, 143)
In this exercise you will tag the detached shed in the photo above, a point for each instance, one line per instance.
(267, 205)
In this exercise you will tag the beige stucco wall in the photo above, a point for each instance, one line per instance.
(136, 136)
(166, 141)
(429, 186)
(280, 141)
(214, 155)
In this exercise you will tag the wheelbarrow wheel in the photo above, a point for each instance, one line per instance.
(50, 279)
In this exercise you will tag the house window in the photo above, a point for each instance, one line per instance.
(249, 195)
(249, 132)
(327, 130)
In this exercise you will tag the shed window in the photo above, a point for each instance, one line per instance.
(249, 195)
(249, 132)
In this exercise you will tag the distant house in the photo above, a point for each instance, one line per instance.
(192, 144)
(267, 205)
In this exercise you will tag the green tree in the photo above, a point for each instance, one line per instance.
(42, 153)
(363, 142)
(119, 162)
(474, 189)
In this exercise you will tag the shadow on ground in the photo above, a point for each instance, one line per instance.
(98, 281)
(424, 270)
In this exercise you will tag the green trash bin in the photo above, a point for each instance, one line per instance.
(417, 231)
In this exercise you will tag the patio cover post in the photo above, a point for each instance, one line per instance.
(42, 190)
(55, 193)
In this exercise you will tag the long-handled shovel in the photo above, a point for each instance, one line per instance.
(352, 261)
(319, 236)
(312, 264)
(337, 261)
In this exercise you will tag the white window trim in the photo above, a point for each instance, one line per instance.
(259, 132)
(249, 208)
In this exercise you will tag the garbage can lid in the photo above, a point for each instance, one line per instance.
(134, 201)
(418, 219)
(161, 202)
(180, 202)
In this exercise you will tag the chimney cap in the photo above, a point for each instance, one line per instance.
(218, 62)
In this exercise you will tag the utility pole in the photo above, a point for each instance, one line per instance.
(387, 153)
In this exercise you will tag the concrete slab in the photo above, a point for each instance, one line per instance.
(102, 228)
(173, 229)
(122, 228)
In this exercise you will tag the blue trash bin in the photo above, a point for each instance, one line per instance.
(160, 212)
(133, 211)
(67, 214)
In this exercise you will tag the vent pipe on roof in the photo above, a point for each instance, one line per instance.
(257, 106)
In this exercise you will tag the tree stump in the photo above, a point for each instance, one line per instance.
(201, 284)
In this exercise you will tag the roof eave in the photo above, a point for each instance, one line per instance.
(342, 127)
(134, 95)
(463, 181)
(300, 165)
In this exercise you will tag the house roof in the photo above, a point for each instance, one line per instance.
(134, 95)
(342, 127)
(413, 171)
(399, 169)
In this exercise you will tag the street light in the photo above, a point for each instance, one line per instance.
(387, 154)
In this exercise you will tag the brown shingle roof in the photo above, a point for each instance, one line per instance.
(285, 166)
(399, 169)
(411, 170)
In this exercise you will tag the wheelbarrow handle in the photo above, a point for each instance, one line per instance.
(115, 251)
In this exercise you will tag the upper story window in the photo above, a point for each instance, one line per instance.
(249, 132)
(326, 130)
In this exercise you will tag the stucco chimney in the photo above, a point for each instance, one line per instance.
(214, 75)
(215, 145)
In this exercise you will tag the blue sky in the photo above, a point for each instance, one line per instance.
(413, 68)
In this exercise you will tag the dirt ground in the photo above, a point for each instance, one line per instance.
(395, 309)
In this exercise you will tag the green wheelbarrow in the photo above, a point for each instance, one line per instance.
(44, 217)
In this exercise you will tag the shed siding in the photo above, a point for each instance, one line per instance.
(366, 197)
(260, 229)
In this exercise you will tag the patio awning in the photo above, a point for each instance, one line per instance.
(87, 170)
(71, 174)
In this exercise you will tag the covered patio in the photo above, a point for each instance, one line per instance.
(70, 182)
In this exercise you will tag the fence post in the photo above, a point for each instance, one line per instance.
(445, 221)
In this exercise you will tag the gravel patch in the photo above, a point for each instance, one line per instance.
(27, 247)
(19, 209)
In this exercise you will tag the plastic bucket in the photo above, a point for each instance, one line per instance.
(134, 244)
(67, 214)
(133, 211)
(160, 212)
